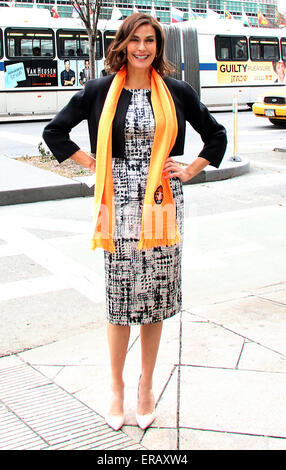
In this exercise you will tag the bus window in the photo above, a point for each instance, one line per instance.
(22, 42)
(75, 44)
(1, 44)
(239, 47)
(283, 48)
(264, 49)
(108, 38)
(231, 48)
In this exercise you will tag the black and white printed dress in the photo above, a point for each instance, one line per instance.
(142, 286)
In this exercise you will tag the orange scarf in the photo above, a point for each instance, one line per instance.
(158, 225)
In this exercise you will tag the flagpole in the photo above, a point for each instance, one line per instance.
(190, 10)
(244, 14)
(153, 10)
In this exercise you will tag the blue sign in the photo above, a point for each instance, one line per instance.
(14, 73)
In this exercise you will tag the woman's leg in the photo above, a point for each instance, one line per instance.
(118, 338)
(150, 341)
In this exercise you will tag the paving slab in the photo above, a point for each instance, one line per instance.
(210, 345)
(259, 358)
(205, 440)
(43, 416)
(258, 320)
(224, 400)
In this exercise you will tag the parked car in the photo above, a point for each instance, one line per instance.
(272, 105)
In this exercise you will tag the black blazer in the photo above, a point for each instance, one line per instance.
(88, 104)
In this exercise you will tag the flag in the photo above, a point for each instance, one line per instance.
(116, 13)
(74, 10)
(228, 15)
(153, 11)
(212, 14)
(280, 18)
(176, 15)
(244, 19)
(193, 15)
(55, 11)
(261, 19)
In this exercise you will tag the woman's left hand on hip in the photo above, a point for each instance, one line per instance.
(173, 169)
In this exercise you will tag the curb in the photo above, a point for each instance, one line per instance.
(49, 193)
(230, 169)
(54, 187)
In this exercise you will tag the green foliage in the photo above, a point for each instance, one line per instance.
(45, 154)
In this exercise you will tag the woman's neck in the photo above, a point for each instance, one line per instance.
(138, 78)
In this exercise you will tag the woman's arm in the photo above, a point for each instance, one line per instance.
(182, 172)
(56, 134)
(84, 159)
(191, 109)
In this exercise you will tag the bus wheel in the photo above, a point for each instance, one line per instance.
(278, 122)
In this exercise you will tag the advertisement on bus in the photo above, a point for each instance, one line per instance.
(251, 73)
(45, 73)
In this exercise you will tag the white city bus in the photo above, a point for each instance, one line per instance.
(218, 59)
(223, 58)
(36, 51)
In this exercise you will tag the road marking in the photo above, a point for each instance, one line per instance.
(269, 165)
(261, 145)
(30, 287)
(82, 278)
(260, 131)
(22, 138)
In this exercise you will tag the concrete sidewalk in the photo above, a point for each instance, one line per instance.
(220, 379)
(22, 183)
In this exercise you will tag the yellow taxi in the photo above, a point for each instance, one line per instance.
(272, 105)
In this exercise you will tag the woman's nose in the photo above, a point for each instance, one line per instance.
(141, 45)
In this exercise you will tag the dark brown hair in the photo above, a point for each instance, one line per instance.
(116, 54)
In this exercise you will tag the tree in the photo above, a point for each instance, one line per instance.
(88, 11)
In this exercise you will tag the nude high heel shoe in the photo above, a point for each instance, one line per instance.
(144, 421)
(115, 421)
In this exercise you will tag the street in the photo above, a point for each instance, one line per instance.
(254, 134)
(220, 374)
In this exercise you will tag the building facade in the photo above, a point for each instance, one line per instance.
(163, 8)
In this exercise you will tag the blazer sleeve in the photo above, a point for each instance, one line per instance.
(56, 133)
(212, 133)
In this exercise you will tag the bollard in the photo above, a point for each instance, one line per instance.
(235, 157)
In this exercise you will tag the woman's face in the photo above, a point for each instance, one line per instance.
(141, 49)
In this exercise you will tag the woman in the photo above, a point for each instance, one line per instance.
(136, 123)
